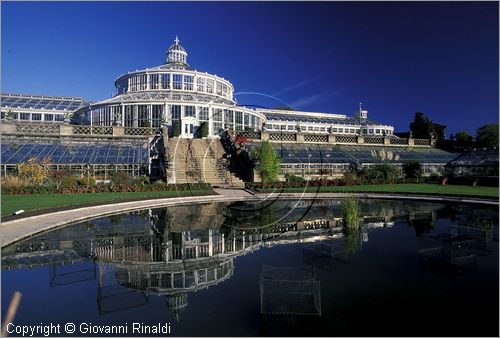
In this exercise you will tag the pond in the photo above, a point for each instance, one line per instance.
(282, 267)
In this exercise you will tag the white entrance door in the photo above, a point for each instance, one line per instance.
(188, 130)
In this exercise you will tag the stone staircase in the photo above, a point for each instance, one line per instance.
(200, 160)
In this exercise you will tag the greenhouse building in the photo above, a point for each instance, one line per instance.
(172, 121)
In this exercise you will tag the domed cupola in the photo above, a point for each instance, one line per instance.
(177, 55)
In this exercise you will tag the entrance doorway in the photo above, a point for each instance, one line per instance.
(188, 130)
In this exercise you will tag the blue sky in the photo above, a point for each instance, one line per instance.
(397, 58)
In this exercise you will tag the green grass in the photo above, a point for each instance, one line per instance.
(12, 203)
(423, 188)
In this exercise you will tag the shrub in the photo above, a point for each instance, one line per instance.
(120, 178)
(269, 162)
(412, 169)
(68, 182)
(204, 129)
(294, 178)
(86, 181)
(381, 171)
(34, 170)
(11, 181)
(176, 128)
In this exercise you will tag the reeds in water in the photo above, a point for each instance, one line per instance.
(350, 212)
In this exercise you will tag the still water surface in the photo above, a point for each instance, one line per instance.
(272, 268)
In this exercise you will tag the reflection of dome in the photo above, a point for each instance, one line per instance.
(177, 303)
(176, 53)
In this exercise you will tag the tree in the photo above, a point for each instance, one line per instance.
(176, 128)
(421, 127)
(204, 129)
(382, 171)
(269, 162)
(412, 169)
(463, 139)
(487, 135)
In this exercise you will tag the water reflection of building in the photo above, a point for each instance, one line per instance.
(165, 235)
(164, 252)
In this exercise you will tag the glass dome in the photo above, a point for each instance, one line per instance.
(176, 53)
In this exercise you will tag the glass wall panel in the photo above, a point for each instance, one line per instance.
(210, 86)
(239, 117)
(239, 120)
(122, 86)
(200, 84)
(129, 116)
(217, 120)
(154, 81)
(203, 114)
(229, 118)
(188, 82)
(142, 82)
(156, 115)
(189, 111)
(217, 115)
(177, 81)
(132, 83)
(36, 117)
(165, 81)
(176, 112)
(142, 116)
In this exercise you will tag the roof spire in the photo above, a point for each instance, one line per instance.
(360, 106)
(176, 40)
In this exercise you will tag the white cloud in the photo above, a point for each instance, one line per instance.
(298, 85)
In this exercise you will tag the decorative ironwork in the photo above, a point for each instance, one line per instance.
(139, 131)
(316, 138)
(421, 142)
(38, 128)
(92, 130)
(250, 134)
(345, 139)
(282, 136)
(402, 141)
(374, 140)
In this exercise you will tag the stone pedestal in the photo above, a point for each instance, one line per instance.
(264, 135)
(65, 129)
(118, 131)
(332, 139)
(8, 127)
(300, 137)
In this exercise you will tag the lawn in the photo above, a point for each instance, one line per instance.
(12, 203)
(433, 189)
